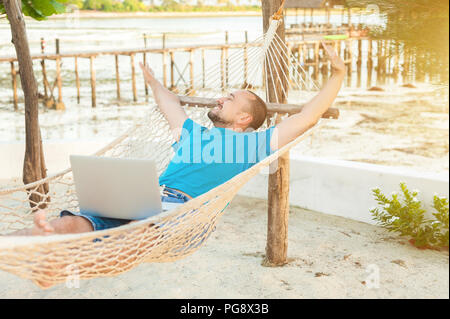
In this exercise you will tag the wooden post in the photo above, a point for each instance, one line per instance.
(77, 80)
(396, 68)
(369, 63)
(411, 63)
(349, 46)
(278, 195)
(337, 45)
(405, 71)
(116, 58)
(172, 70)
(226, 60)
(299, 54)
(383, 61)
(133, 78)
(144, 57)
(44, 73)
(379, 57)
(191, 71)
(93, 95)
(222, 69)
(324, 67)
(164, 65)
(59, 105)
(203, 69)
(164, 60)
(316, 61)
(246, 60)
(306, 59)
(57, 46)
(289, 62)
(388, 56)
(359, 63)
(14, 85)
(419, 72)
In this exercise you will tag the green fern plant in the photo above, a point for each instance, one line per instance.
(407, 216)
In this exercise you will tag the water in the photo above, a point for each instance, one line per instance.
(110, 118)
(81, 121)
(90, 34)
(86, 34)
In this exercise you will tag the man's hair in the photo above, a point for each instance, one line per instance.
(258, 110)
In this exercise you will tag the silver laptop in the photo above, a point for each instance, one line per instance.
(116, 187)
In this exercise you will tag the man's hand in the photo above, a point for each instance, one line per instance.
(337, 64)
(149, 75)
(168, 103)
(297, 124)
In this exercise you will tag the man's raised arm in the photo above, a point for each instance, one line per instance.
(297, 124)
(168, 103)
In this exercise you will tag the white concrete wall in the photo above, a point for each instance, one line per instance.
(343, 188)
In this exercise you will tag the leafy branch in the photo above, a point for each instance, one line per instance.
(408, 217)
(39, 9)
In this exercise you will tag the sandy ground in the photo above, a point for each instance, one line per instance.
(329, 257)
(398, 127)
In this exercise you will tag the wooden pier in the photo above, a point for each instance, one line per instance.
(380, 59)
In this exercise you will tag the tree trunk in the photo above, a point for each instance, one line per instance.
(278, 195)
(34, 166)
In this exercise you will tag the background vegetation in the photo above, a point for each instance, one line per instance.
(166, 6)
(407, 217)
(39, 9)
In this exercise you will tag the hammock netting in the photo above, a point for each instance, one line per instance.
(49, 260)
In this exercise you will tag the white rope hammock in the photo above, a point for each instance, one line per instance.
(166, 237)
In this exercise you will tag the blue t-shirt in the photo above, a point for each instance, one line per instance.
(205, 158)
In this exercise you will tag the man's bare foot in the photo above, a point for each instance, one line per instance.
(41, 226)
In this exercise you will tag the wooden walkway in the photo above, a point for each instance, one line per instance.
(309, 53)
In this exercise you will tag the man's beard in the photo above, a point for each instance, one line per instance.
(217, 119)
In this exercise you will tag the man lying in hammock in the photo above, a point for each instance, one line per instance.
(190, 173)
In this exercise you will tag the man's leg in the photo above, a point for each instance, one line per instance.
(77, 224)
(63, 225)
